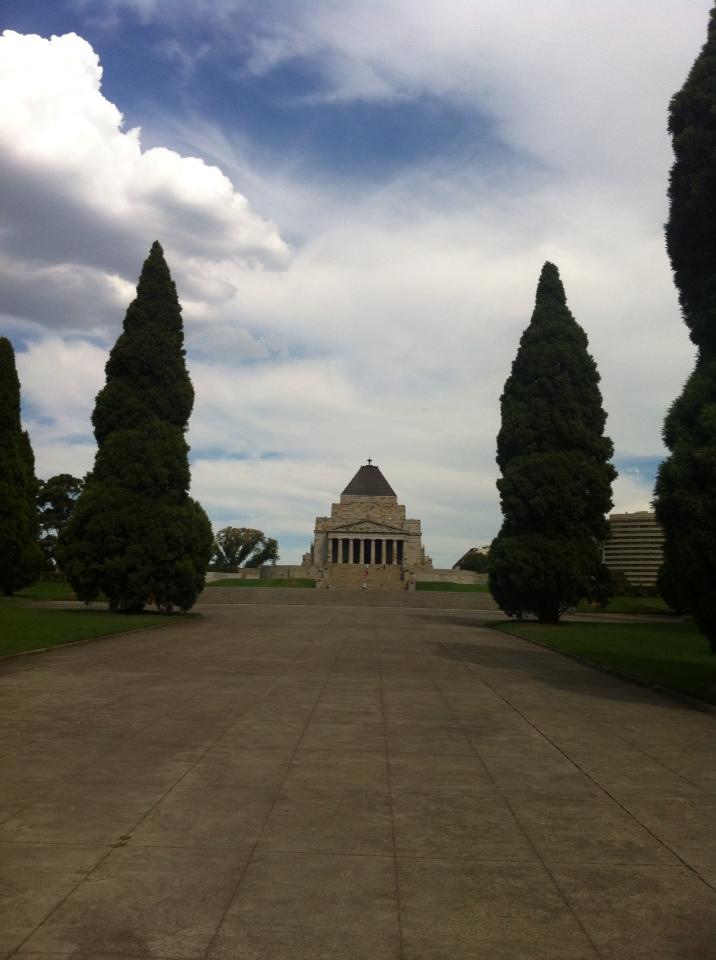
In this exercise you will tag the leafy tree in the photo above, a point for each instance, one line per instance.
(473, 560)
(135, 534)
(685, 500)
(234, 545)
(555, 488)
(20, 555)
(267, 553)
(56, 499)
(668, 585)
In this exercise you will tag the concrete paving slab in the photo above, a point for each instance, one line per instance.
(593, 831)
(35, 879)
(367, 736)
(212, 816)
(680, 821)
(144, 902)
(464, 827)
(317, 822)
(440, 776)
(229, 766)
(338, 772)
(485, 909)
(642, 912)
(554, 779)
(274, 735)
(321, 780)
(312, 906)
(82, 811)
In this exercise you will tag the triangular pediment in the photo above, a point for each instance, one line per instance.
(366, 526)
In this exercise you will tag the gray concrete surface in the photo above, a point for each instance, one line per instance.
(333, 782)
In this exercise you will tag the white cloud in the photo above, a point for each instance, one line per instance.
(83, 199)
(631, 492)
(59, 380)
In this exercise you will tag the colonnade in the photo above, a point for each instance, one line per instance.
(368, 550)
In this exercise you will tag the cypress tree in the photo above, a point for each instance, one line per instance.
(555, 488)
(136, 535)
(685, 500)
(20, 554)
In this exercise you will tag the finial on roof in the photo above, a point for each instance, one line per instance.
(369, 461)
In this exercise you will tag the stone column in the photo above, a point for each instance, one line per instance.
(362, 551)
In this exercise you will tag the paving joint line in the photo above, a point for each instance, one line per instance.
(114, 847)
(62, 781)
(254, 847)
(600, 786)
(517, 820)
(390, 801)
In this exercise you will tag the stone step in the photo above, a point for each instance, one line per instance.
(376, 576)
(349, 597)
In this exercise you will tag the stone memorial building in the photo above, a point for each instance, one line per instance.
(367, 537)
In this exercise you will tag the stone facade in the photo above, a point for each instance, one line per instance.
(369, 533)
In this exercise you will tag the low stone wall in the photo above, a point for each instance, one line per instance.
(269, 572)
(449, 576)
(287, 571)
(243, 574)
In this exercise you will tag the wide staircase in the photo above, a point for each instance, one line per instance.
(353, 576)
(415, 599)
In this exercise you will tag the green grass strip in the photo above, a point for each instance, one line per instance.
(24, 628)
(450, 587)
(47, 590)
(636, 605)
(671, 655)
(278, 582)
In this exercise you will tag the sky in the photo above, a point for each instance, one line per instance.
(355, 199)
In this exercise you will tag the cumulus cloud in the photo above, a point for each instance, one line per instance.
(81, 197)
(59, 380)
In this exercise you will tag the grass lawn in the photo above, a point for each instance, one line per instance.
(278, 582)
(672, 655)
(638, 605)
(47, 590)
(454, 587)
(23, 627)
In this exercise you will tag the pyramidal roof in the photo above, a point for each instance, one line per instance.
(369, 482)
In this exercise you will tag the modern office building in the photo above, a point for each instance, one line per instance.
(636, 546)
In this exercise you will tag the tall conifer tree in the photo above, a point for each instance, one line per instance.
(20, 554)
(136, 535)
(555, 488)
(686, 486)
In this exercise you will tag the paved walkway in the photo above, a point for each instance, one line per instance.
(295, 782)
